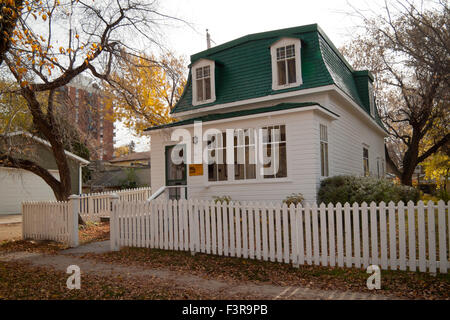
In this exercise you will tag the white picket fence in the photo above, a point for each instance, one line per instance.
(406, 237)
(93, 206)
(51, 220)
(58, 221)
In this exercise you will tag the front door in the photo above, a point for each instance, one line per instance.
(176, 172)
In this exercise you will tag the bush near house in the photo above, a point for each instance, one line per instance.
(294, 198)
(222, 199)
(359, 189)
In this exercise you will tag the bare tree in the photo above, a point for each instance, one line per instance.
(408, 49)
(56, 41)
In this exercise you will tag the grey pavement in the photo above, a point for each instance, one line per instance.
(10, 218)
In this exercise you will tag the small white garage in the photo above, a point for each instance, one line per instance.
(17, 185)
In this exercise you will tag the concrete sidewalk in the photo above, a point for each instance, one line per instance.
(10, 218)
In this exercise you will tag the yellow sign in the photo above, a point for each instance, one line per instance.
(195, 170)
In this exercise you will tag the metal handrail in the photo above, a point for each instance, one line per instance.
(161, 190)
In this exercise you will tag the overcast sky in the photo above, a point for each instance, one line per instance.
(231, 19)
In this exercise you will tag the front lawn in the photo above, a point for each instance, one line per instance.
(411, 285)
(22, 281)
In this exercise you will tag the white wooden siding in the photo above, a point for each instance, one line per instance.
(346, 137)
(18, 185)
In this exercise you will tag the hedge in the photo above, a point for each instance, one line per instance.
(364, 189)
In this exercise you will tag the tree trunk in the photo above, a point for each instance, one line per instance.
(410, 160)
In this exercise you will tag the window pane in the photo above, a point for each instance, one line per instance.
(199, 90)
(290, 51)
(291, 71)
(207, 88)
(250, 168)
(283, 133)
(239, 161)
(268, 165)
(222, 172)
(366, 167)
(281, 53)
(212, 172)
(206, 72)
(282, 169)
(199, 73)
(281, 73)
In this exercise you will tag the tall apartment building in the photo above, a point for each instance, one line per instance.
(94, 121)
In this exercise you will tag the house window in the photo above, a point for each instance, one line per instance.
(274, 152)
(324, 151)
(217, 154)
(203, 82)
(378, 167)
(286, 66)
(366, 162)
(244, 154)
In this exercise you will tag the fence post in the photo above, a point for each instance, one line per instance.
(114, 224)
(74, 204)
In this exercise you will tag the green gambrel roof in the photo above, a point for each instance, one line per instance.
(241, 113)
(243, 68)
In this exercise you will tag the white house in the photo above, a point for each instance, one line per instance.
(292, 82)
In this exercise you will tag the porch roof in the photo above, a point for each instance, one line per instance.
(240, 113)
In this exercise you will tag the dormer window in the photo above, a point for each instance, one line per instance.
(203, 82)
(286, 66)
(203, 79)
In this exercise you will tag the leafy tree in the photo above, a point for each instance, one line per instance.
(407, 48)
(56, 41)
(9, 13)
(146, 89)
(121, 151)
(437, 168)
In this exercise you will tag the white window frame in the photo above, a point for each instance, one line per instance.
(324, 140)
(259, 176)
(368, 161)
(200, 64)
(285, 142)
(298, 72)
(243, 133)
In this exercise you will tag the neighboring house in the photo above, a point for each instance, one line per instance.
(132, 159)
(292, 82)
(17, 185)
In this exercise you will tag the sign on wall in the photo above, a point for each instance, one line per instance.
(195, 170)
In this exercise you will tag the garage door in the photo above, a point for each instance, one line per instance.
(19, 185)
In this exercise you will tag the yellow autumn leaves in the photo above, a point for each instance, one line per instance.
(152, 87)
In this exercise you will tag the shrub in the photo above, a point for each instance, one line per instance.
(294, 198)
(359, 189)
(222, 199)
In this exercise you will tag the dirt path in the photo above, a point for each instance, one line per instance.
(265, 291)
